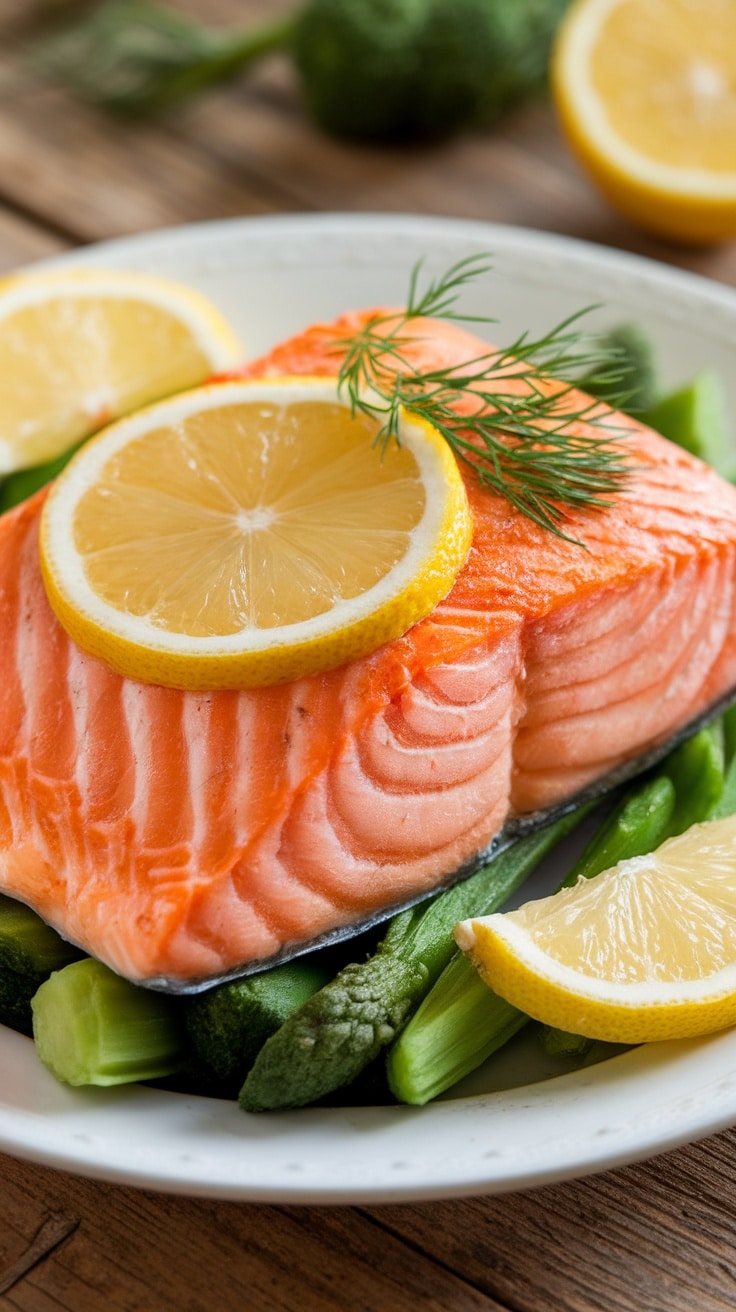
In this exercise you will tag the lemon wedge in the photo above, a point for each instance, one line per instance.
(646, 95)
(249, 533)
(645, 951)
(80, 348)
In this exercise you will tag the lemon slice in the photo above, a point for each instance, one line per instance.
(646, 94)
(248, 533)
(645, 951)
(80, 348)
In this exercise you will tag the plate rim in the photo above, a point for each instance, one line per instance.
(22, 1132)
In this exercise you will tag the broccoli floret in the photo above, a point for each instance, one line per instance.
(380, 69)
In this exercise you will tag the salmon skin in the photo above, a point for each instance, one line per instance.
(186, 838)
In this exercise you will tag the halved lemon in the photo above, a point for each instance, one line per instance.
(646, 94)
(248, 533)
(79, 348)
(645, 951)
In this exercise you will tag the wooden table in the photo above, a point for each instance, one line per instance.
(651, 1237)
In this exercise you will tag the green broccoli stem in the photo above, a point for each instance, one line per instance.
(462, 1022)
(343, 1027)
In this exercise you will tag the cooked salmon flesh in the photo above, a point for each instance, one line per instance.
(183, 838)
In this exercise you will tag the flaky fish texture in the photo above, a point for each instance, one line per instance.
(186, 837)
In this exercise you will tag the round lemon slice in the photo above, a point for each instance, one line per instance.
(646, 94)
(249, 533)
(646, 950)
(80, 348)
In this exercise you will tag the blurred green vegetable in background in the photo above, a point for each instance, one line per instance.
(373, 70)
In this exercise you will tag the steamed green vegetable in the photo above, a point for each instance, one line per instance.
(226, 1026)
(343, 1027)
(393, 69)
(631, 382)
(23, 483)
(29, 951)
(90, 1026)
(370, 69)
(695, 418)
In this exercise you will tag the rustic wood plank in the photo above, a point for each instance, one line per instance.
(129, 1251)
(22, 241)
(653, 1236)
(73, 168)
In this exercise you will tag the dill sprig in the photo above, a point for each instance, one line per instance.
(524, 442)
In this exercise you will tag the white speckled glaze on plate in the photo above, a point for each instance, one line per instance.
(271, 277)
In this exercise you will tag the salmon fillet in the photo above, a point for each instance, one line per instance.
(183, 838)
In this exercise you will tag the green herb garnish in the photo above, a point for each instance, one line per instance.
(523, 446)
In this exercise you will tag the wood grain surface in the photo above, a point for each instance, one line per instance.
(654, 1237)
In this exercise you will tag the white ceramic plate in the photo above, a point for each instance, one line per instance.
(271, 277)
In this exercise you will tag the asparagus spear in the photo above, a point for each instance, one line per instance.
(226, 1026)
(343, 1027)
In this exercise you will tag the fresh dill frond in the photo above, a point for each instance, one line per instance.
(526, 438)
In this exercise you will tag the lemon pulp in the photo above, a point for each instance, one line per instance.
(247, 534)
(79, 349)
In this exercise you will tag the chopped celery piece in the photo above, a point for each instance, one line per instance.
(90, 1026)
(460, 1023)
